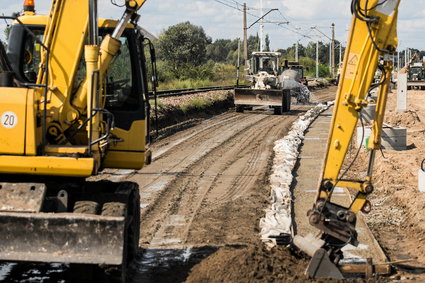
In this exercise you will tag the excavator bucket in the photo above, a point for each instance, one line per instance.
(320, 265)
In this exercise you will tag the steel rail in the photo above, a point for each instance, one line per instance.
(178, 92)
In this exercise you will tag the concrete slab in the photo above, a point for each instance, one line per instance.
(306, 178)
(394, 138)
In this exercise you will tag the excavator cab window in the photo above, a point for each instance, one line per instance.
(119, 79)
(23, 52)
(31, 57)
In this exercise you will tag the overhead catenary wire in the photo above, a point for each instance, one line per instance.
(282, 24)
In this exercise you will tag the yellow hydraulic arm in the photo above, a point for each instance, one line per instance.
(371, 43)
(66, 104)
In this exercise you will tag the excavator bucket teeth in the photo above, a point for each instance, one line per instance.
(321, 266)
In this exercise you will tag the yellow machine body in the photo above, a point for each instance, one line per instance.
(371, 44)
(73, 101)
(65, 34)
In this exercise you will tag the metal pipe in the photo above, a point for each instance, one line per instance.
(93, 29)
(370, 165)
(119, 30)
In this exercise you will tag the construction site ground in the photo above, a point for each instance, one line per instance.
(207, 188)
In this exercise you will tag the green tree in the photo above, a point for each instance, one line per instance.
(219, 50)
(267, 42)
(253, 44)
(183, 44)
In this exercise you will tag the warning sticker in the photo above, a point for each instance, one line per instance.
(353, 58)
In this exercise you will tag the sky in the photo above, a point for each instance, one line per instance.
(223, 19)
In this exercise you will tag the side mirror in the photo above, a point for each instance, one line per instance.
(153, 63)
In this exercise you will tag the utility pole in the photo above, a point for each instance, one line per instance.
(261, 26)
(398, 60)
(340, 54)
(245, 40)
(317, 59)
(333, 50)
(296, 52)
(405, 56)
(238, 63)
(330, 59)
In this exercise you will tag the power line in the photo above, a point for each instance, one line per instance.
(235, 5)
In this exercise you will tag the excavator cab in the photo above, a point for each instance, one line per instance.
(126, 89)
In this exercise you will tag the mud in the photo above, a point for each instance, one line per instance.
(253, 263)
(201, 201)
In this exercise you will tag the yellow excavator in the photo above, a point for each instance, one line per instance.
(371, 43)
(73, 101)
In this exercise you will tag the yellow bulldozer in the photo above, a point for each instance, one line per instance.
(266, 88)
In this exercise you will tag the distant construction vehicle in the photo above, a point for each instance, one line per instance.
(298, 68)
(415, 73)
(266, 85)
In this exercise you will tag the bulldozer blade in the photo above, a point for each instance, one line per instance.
(321, 266)
(62, 237)
(268, 97)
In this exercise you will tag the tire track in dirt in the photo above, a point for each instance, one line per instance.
(238, 164)
(157, 181)
(203, 176)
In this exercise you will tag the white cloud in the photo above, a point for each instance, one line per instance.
(220, 21)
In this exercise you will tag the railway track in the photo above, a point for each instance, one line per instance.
(178, 92)
(185, 91)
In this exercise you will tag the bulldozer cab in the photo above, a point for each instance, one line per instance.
(265, 62)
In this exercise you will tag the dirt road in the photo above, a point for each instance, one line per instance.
(206, 190)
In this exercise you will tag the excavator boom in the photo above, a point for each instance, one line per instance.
(371, 43)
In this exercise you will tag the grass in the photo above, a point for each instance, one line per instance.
(182, 84)
(196, 103)
(224, 75)
(160, 103)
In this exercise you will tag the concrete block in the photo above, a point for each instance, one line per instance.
(392, 137)
(401, 92)
(421, 180)
(368, 113)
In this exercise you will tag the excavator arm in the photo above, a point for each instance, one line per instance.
(371, 43)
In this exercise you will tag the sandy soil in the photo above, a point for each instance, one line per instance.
(202, 198)
(397, 218)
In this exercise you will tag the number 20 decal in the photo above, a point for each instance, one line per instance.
(9, 119)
